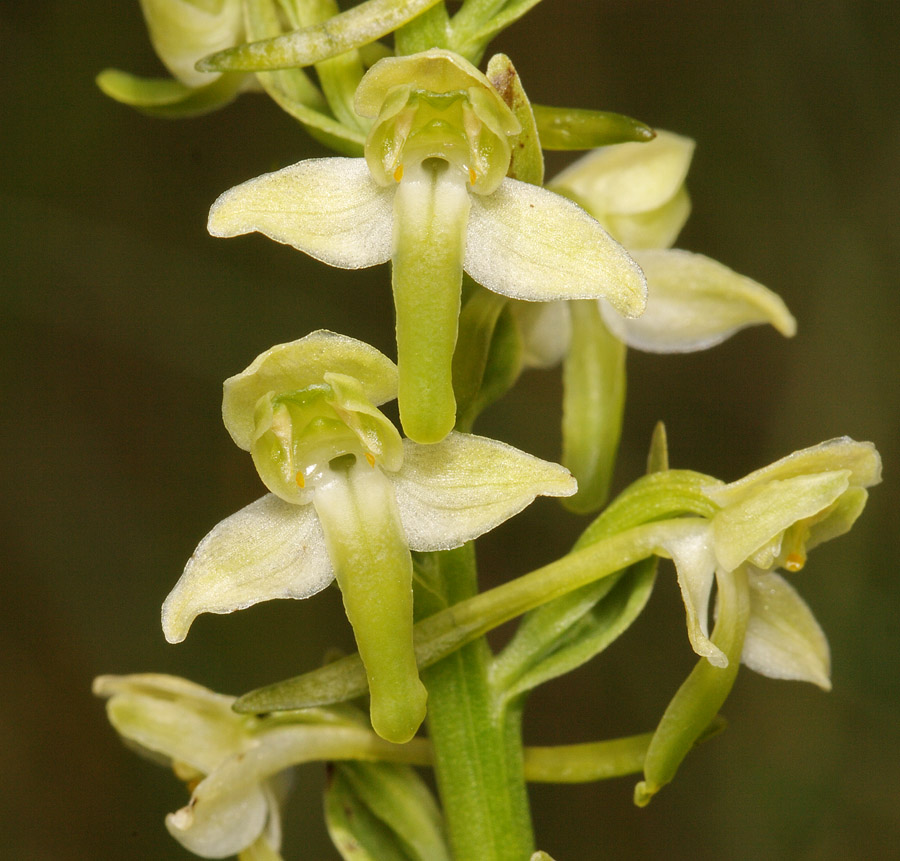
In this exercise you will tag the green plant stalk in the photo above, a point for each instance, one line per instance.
(478, 762)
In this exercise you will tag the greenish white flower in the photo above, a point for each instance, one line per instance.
(195, 732)
(769, 520)
(349, 499)
(183, 32)
(235, 765)
(432, 196)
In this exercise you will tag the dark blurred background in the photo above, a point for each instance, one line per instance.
(121, 317)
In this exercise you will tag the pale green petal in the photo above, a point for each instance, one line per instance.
(170, 718)
(655, 228)
(694, 302)
(260, 850)
(860, 458)
(220, 830)
(434, 71)
(784, 640)
(528, 243)
(183, 31)
(329, 208)
(742, 528)
(270, 549)
(546, 329)
(692, 552)
(839, 518)
(629, 178)
(297, 365)
(455, 490)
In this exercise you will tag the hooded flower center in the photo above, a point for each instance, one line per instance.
(435, 106)
(303, 437)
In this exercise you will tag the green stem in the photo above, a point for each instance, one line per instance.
(477, 754)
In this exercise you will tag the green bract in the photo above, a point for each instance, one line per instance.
(432, 196)
(182, 32)
(349, 499)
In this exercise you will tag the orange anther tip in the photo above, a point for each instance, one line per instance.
(371, 459)
(299, 480)
(472, 176)
(794, 562)
(398, 173)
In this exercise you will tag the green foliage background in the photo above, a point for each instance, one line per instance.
(120, 318)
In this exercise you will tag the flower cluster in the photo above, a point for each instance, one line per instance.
(440, 173)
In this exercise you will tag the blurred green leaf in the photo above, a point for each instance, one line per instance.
(577, 128)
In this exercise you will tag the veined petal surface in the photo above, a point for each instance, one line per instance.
(329, 208)
(455, 490)
(529, 243)
(170, 718)
(269, 549)
(744, 527)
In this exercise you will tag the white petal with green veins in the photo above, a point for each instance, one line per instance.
(269, 549)
(694, 302)
(329, 208)
(529, 243)
(784, 640)
(455, 490)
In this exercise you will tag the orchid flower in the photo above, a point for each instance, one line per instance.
(195, 732)
(432, 196)
(767, 520)
(235, 765)
(349, 499)
(183, 32)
